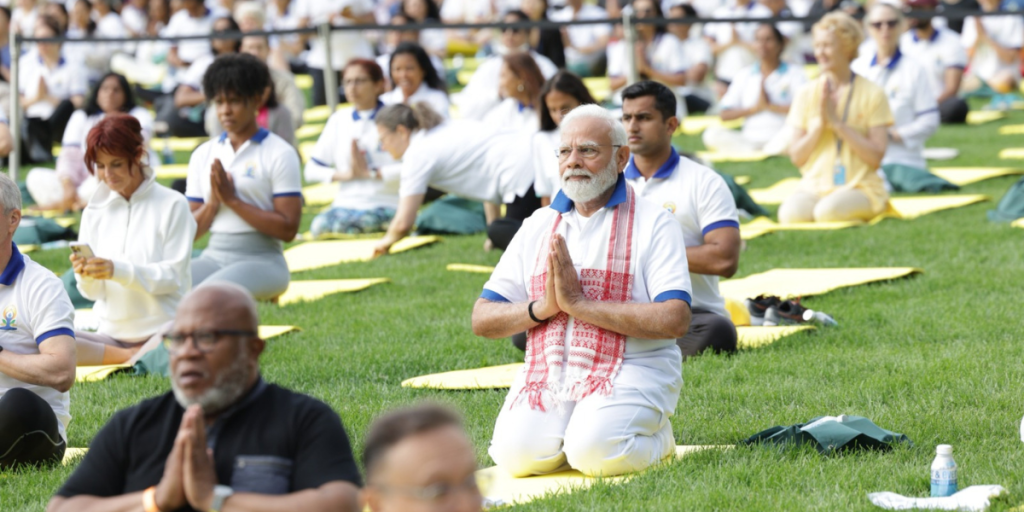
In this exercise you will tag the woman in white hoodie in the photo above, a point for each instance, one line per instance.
(140, 233)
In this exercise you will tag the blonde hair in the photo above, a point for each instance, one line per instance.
(845, 29)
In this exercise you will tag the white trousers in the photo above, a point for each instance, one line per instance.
(46, 189)
(601, 435)
(724, 140)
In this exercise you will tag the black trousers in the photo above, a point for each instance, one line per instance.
(319, 94)
(29, 435)
(953, 111)
(696, 104)
(708, 331)
(502, 230)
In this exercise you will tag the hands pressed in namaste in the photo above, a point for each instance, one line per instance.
(189, 476)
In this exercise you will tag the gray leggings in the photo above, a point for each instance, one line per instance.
(251, 260)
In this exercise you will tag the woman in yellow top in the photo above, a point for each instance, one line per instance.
(840, 122)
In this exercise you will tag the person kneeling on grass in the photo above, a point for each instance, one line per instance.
(223, 439)
(37, 350)
(698, 199)
(603, 372)
(140, 233)
(419, 459)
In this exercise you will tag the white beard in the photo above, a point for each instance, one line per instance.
(226, 390)
(584, 191)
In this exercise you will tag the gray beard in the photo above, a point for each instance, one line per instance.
(588, 190)
(226, 390)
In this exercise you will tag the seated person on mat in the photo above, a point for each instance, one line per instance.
(841, 128)
(70, 186)
(348, 152)
(909, 90)
(37, 350)
(519, 84)
(994, 44)
(140, 233)
(51, 86)
(462, 157)
(939, 52)
(417, 459)
(602, 373)
(700, 202)
(245, 187)
(266, 448)
(761, 94)
(415, 80)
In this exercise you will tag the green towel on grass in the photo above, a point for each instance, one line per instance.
(832, 435)
(904, 178)
(742, 198)
(451, 215)
(1011, 206)
(155, 362)
(38, 230)
(70, 286)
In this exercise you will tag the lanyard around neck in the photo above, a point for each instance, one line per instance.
(846, 111)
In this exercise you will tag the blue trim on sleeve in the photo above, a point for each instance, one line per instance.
(673, 294)
(63, 331)
(492, 296)
(720, 224)
(928, 111)
(195, 199)
(288, 194)
(318, 162)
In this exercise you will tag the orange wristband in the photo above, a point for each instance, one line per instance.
(149, 500)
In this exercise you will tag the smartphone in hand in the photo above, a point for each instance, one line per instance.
(82, 250)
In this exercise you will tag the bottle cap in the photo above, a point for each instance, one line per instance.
(944, 449)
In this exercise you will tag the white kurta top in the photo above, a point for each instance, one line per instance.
(745, 92)
(735, 58)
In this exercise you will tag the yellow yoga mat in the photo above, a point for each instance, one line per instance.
(776, 193)
(714, 156)
(967, 175)
(177, 143)
(463, 267)
(306, 149)
(741, 180)
(309, 131)
(319, 194)
(98, 373)
(762, 226)
(272, 331)
(750, 337)
(908, 208)
(788, 283)
(304, 81)
(600, 87)
(984, 116)
(72, 454)
(309, 291)
(1012, 154)
(503, 489)
(695, 125)
(464, 75)
(172, 171)
(1013, 129)
(319, 114)
(312, 255)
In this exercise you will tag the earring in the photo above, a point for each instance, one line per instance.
(520, 88)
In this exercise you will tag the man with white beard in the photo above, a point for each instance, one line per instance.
(223, 439)
(599, 281)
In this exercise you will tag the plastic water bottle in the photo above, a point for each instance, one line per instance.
(818, 316)
(943, 472)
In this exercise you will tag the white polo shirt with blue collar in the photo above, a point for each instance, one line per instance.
(936, 54)
(781, 86)
(34, 308)
(264, 167)
(661, 270)
(911, 100)
(700, 201)
(65, 80)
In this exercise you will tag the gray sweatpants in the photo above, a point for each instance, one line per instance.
(253, 261)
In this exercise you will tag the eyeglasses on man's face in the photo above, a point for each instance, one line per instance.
(587, 152)
(203, 341)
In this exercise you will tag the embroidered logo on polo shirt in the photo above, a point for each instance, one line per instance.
(10, 319)
(250, 169)
(670, 206)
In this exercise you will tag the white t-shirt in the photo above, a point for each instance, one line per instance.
(182, 24)
(912, 102)
(65, 80)
(110, 26)
(481, 93)
(547, 181)
(936, 54)
(1008, 31)
(735, 58)
(345, 46)
(25, 21)
(583, 35)
(35, 309)
(660, 254)
(697, 51)
(465, 158)
(700, 201)
(333, 150)
(80, 124)
(663, 54)
(437, 100)
(263, 168)
(745, 92)
(193, 76)
(286, 20)
(512, 115)
(134, 19)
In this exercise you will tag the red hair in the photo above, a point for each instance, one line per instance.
(118, 135)
(371, 68)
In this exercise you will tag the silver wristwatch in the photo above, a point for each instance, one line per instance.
(220, 494)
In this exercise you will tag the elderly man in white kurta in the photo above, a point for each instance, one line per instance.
(599, 281)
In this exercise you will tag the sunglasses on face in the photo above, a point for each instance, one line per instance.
(877, 25)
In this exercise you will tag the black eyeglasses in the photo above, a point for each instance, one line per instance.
(513, 30)
(204, 341)
(877, 25)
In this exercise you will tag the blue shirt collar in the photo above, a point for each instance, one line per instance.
(563, 204)
(14, 266)
(664, 171)
(892, 62)
(781, 69)
(931, 39)
(259, 137)
(373, 115)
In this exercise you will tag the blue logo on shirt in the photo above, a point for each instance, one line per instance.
(10, 319)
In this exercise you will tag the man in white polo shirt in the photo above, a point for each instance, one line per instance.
(599, 282)
(699, 200)
(37, 350)
(939, 52)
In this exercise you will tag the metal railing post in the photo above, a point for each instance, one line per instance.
(330, 75)
(629, 31)
(14, 119)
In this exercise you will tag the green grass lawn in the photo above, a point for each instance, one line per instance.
(937, 357)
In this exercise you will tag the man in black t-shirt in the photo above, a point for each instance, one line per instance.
(223, 439)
